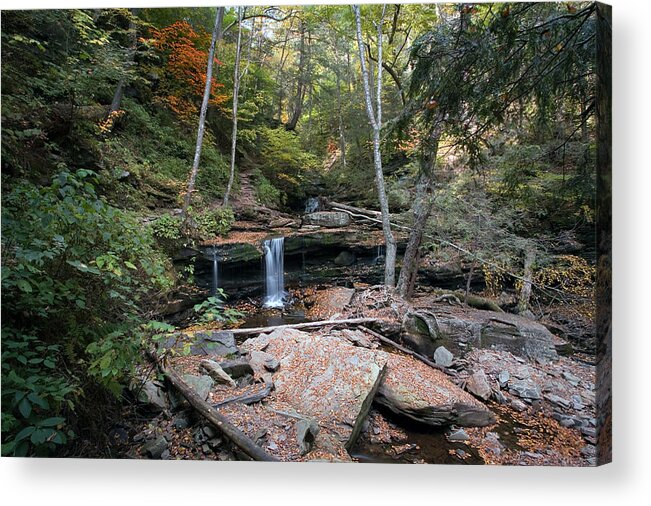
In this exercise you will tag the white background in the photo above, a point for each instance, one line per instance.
(626, 481)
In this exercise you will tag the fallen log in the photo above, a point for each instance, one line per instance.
(412, 353)
(241, 440)
(356, 210)
(299, 326)
(247, 398)
(473, 300)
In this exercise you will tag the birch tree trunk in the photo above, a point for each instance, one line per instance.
(216, 34)
(236, 92)
(375, 119)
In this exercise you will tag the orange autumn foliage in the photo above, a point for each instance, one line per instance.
(186, 51)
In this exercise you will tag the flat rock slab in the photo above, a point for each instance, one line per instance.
(426, 395)
(325, 379)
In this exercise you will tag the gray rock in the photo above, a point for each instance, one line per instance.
(478, 385)
(345, 258)
(577, 402)
(413, 390)
(151, 394)
(458, 435)
(200, 384)
(330, 219)
(209, 431)
(262, 362)
(518, 405)
(236, 368)
(571, 379)
(443, 357)
(215, 371)
(555, 399)
(182, 421)
(165, 455)
(525, 389)
(203, 343)
(503, 378)
(306, 433)
(155, 448)
(499, 397)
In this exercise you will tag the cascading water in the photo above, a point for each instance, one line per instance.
(379, 255)
(274, 252)
(215, 272)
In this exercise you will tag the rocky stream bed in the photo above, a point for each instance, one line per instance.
(478, 387)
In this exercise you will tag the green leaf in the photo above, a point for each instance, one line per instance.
(130, 265)
(26, 432)
(25, 407)
(24, 285)
(52, 422)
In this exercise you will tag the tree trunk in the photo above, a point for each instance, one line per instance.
(299, 97)
(216, 33)
(236, 92)
(525, 291)
(375, 118)
(342, 130)
(422, 211)
(469, 282)
(299, 326)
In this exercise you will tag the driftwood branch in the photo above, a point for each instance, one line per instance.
(247, 398)
(307, 325)
(417, 356)
(241, 440)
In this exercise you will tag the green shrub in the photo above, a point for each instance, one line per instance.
(75, 274)
(214, 222)
(267, 193)
(167, 227)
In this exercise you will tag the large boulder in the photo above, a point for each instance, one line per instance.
(426, 395)
(521, 336)
(329, 219)
(324, 379)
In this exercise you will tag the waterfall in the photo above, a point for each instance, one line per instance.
(379, 255)
(274, 252)
(215, 272)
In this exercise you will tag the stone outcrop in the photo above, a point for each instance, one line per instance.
(479, 328)
(425, 395)
(329, 219)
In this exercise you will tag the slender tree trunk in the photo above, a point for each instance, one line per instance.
(216, 33)
(342, 136)
(236, 92)
(469, 282)
(422, 211)
(131, 52)
(525, 291)
(299, 97)
(375, 118)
